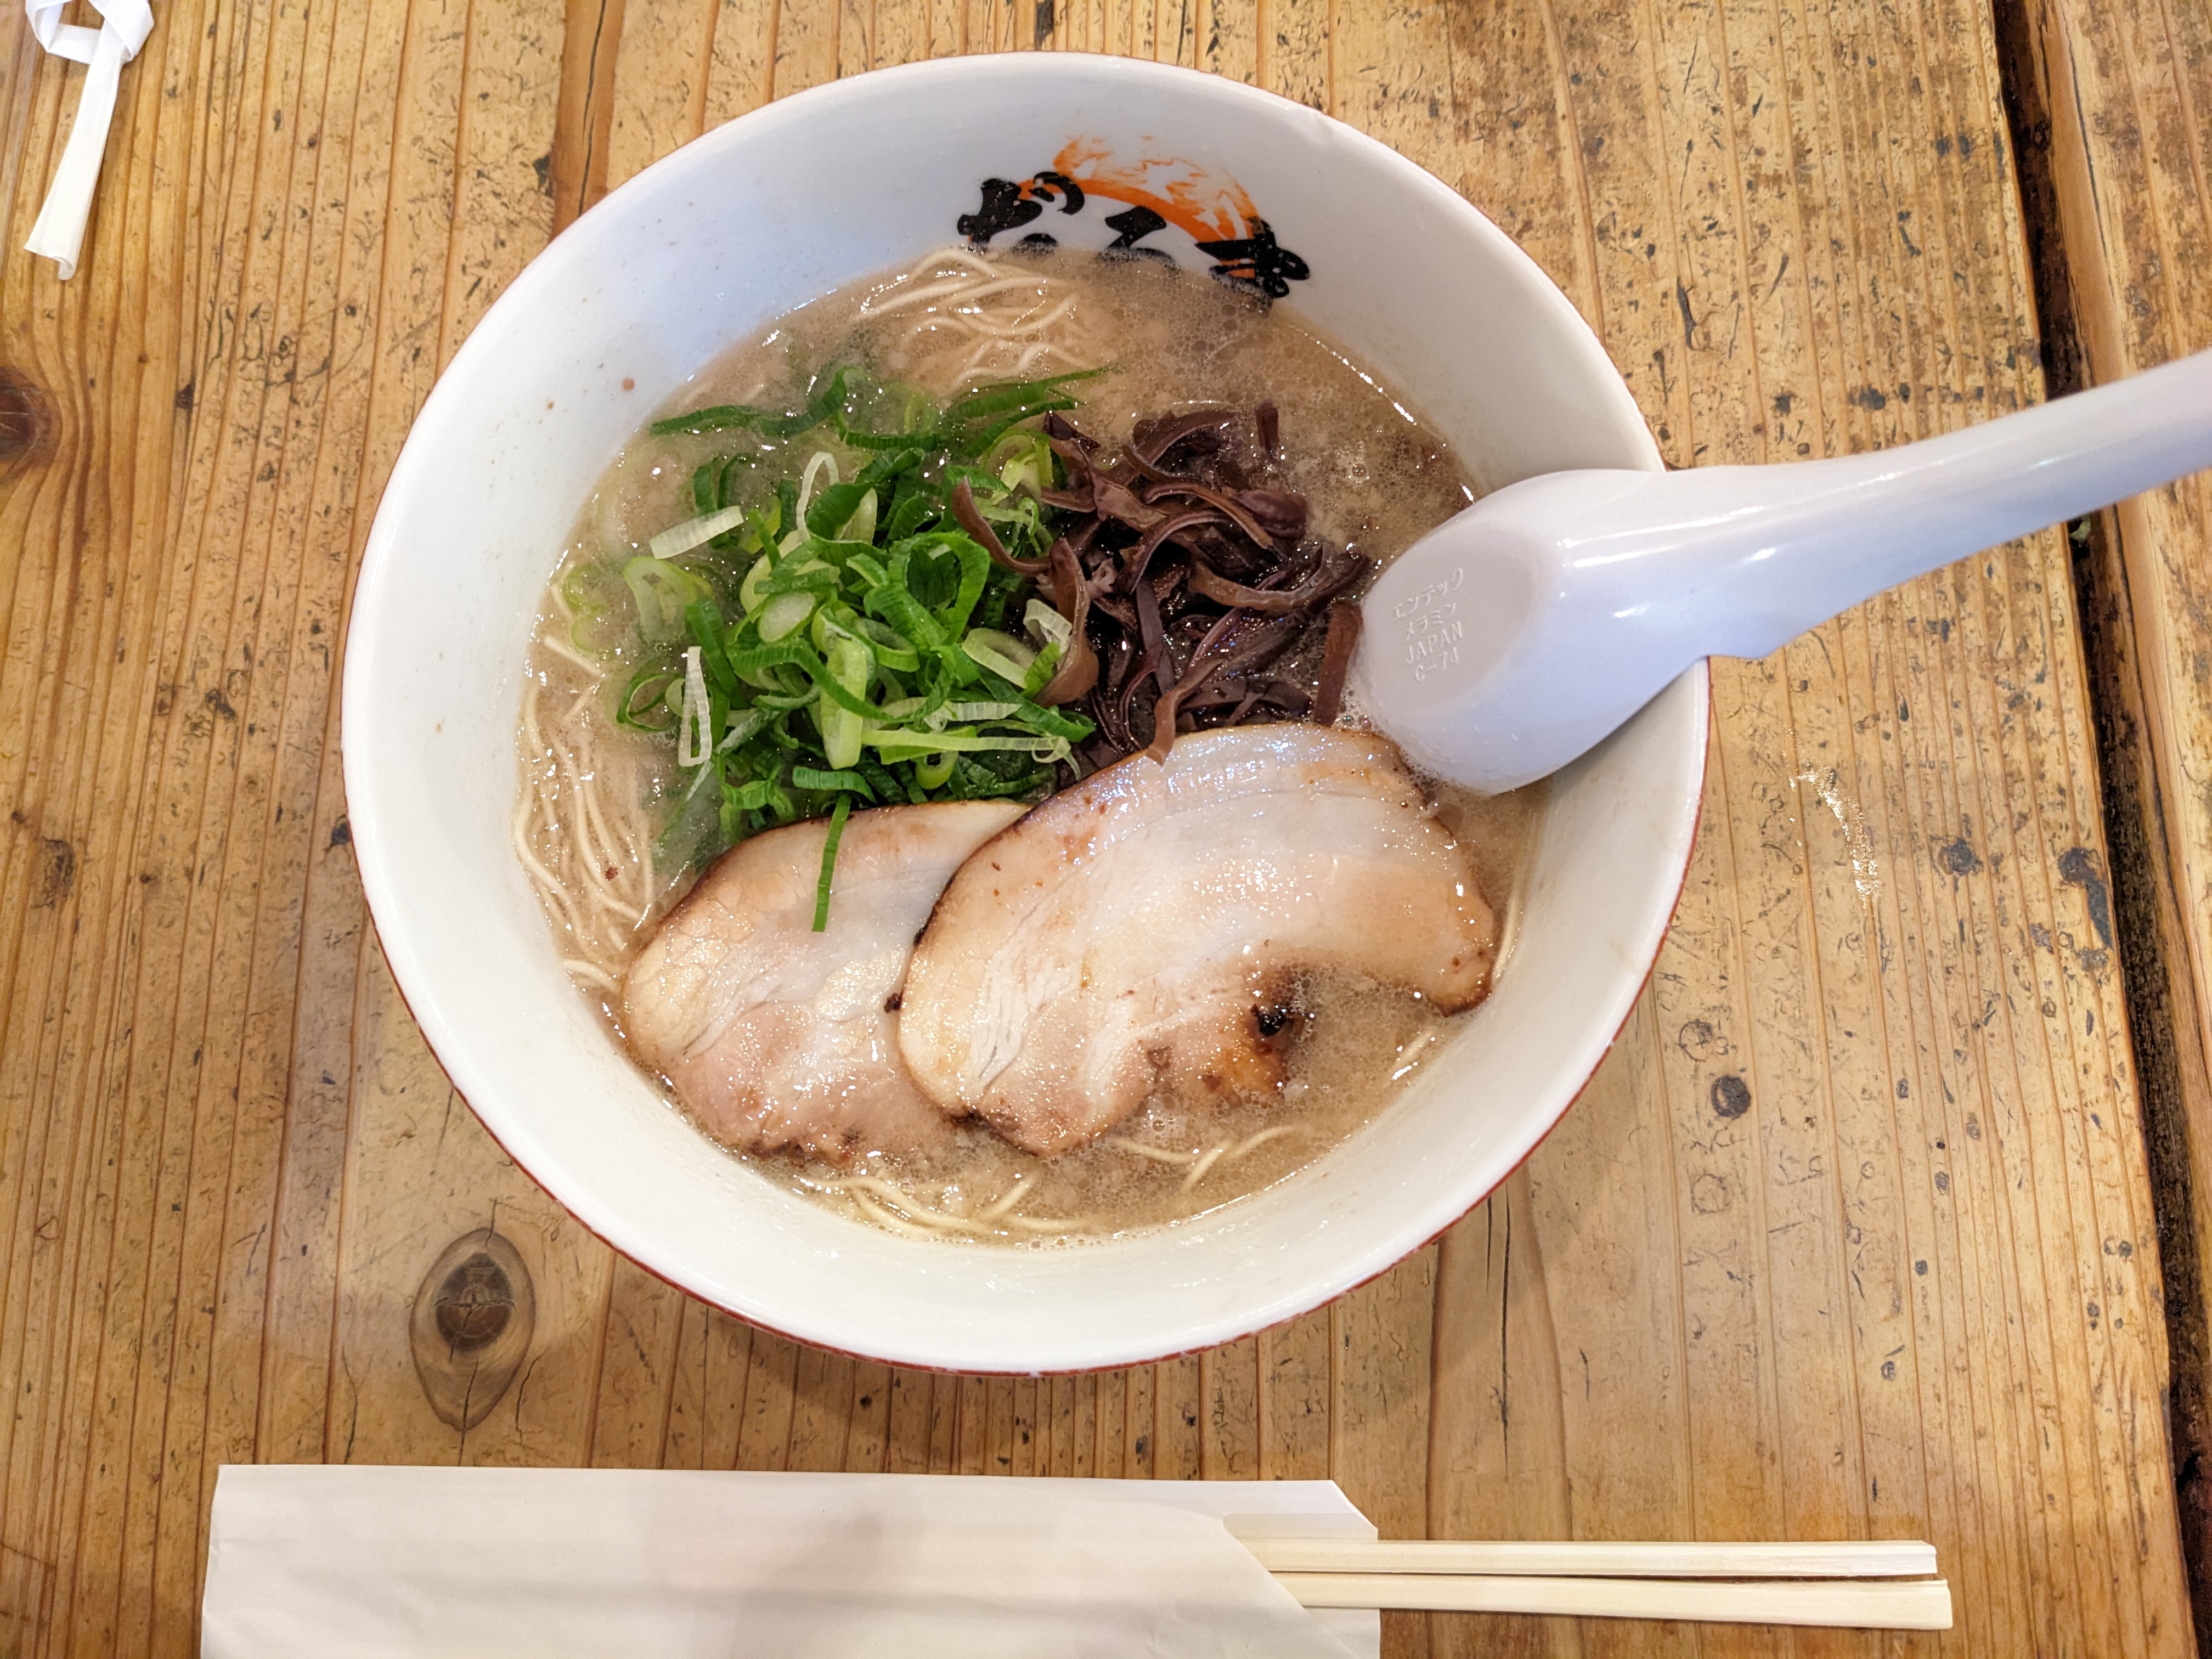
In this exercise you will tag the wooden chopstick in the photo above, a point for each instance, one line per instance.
(1883, 1559)
(1886, 1584)
(1848, 1603)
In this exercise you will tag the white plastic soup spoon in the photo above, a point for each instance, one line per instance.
(1523, 631)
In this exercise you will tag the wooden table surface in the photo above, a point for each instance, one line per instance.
(1854, 1235)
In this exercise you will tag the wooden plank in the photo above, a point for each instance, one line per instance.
(420, 1173)
(190, 1114)
(1175, 1445)
(469, 206)
(1856, 1027)
(1024, 1452)
(867, 1441)
(633, 1394)
(912, 1416)
(1380, 1390)
(1110, 1451)
(771, 1376)
(1229, 1428)
(944, 1422)
(806, 50)
(2107, 109)
(1002, 1427)
(582, 136)
(302, 1288)
(1505, 1473)
(59, 1065)
(1294, 1402)
(1604, 1196)
(661, 73)
(1082, 1428)
(822, 1394)
(907, 31)
(706, 1403)
(743, 50)
(971, 1441)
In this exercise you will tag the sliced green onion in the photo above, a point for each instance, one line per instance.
(996, 399)
(861, 527)
(849, 586)
(885, 782)
(842, 727)
(703, 620)
(1028, 468)
(692, 827)
(813, 777)
(804, 574)
(1041, 672)
(983, 441)
(843, 810)
(903, 611)
(903, 745)
(661, 591)
(597, 598)
(826, 402)
(1073, 727)
(693, 718)
(892, 649)
(783, 702)
(753, 796)
(645, 696)
(745, 725)
(785, 615)
(1021, 785)
(820, 462)
(752, 660)
(749, 591)
(724, 417)
(1002, 653)
(909, 514)
(1046, 625)
(856, 439)
(683, 537)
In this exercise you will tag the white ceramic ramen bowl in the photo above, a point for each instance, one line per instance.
(761, 216)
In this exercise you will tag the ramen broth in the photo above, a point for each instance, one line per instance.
(596, 796)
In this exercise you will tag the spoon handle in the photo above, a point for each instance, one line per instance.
(1518, 633)
(1758, 554)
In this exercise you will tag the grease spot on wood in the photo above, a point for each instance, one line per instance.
(56, 872)
(1730, 1097)
(1700, 1040)
(2077, 867)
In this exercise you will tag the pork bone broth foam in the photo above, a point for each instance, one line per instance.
(963, 533)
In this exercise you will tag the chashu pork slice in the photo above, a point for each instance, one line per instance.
(1136, 932)
(776, 1036)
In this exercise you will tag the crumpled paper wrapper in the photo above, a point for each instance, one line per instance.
(483, 1563)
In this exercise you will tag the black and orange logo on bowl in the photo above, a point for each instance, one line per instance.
(1158, 208)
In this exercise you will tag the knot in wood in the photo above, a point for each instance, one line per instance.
(24, 416)
(474, 1304)
(470, 1327)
